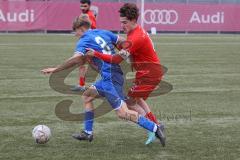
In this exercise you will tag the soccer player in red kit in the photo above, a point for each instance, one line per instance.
(144, 60)
(85, 8)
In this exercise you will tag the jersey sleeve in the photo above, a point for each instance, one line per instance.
(116, 59)
(81, 47)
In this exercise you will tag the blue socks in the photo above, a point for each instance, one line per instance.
(142, 121)
(88, 122)
(147, 124)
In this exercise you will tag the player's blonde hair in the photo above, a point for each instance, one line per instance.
(81, 21)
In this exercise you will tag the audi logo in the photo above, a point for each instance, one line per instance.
(160, 16)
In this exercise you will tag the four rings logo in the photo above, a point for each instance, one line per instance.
(160, 16)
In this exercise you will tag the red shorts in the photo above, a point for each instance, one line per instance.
(143, 87)
(148, 77)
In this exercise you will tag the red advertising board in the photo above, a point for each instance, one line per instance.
(20, 16)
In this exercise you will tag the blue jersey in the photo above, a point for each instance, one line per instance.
(101, 41)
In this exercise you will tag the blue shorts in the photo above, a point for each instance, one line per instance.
(112, 91)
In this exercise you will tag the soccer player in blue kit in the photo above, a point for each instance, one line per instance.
(111, 82)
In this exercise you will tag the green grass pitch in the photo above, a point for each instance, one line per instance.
(201, 113)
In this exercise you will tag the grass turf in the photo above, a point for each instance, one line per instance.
(201, 112)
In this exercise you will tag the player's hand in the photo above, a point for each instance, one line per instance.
(124, 54)
(90, 52)
(48, 70)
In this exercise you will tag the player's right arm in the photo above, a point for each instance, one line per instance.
(74, 60)
(77, 59)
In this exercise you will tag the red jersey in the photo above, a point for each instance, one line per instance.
(143, 55)
(92, 19)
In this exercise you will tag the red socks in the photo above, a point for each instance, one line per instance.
(82, 81)
(152, 117)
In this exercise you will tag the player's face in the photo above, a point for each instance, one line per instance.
(127, 25)
(84, 7)
(79, 32)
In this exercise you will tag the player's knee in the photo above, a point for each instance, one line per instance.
(87, 98)
(84, 98)
(121, 114)
(128, 116)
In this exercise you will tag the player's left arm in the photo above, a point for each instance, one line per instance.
(116, 58)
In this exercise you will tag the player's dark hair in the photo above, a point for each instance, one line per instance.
(85, 1)
(130, 11)
(81, 21)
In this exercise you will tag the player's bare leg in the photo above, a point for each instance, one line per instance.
(139, 105)
(149, 115)
(127, 114)
(88, 96)
(134, 106)
(142, 103)
(151, 136)
(124, 113)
